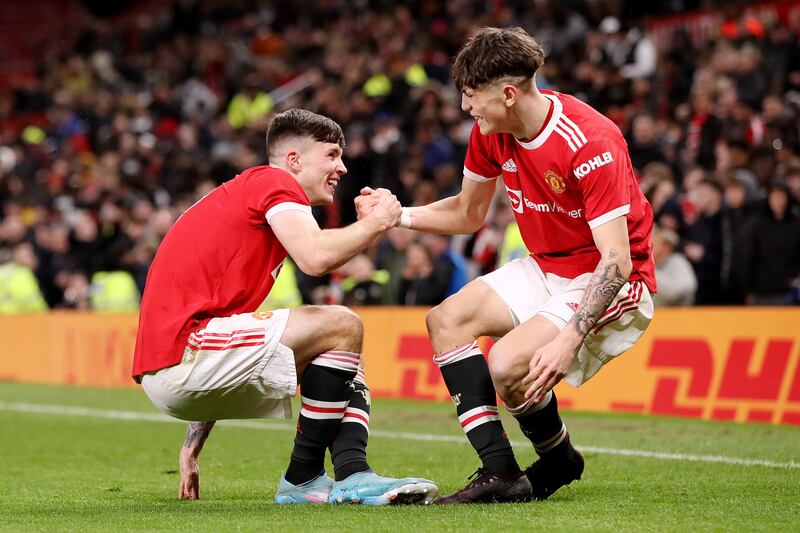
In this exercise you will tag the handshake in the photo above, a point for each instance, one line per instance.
(382, 207)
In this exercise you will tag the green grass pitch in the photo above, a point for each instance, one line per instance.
(98, 460)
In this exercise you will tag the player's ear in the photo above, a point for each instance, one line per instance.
(293, 160)
(510, 93)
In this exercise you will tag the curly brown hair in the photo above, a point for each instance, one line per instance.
(495, 53)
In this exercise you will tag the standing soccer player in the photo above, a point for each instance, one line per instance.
(580, 299)
(204, 354)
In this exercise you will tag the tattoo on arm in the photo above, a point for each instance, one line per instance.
(605, 283)
(197, 434)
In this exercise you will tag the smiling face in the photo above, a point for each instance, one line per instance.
(320, 169)
(487, 105)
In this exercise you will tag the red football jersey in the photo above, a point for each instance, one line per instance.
(575, 175)
(219, 259)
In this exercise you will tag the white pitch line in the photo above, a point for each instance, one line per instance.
(426, 437)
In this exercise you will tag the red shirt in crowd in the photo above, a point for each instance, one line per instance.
(219, 259)
(575, 175)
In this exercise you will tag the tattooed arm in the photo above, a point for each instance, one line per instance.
(196, 436)
(551, 362)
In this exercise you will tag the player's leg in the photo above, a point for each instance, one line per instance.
(559, 463)
(355, 481)
(349, 448)
(326, 341)
(620, 327)
(454, 326)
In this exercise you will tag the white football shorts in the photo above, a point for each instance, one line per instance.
(235, 367)
(527, 291)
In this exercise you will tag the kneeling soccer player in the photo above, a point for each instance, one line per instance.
(582, 297)
(204, 354)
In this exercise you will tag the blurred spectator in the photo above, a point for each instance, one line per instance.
(449, 262)
(659, 188)
(486, 245)
(703, 246)
(773, 258)
(424, 281)
(793, 183)
(284, 293)
(19, 290)
(644, 146)
(364, 285)
(76, 290)
(249, 106)
(702, 131)
(114, 292)
(391, 256)
(736, 218)
(677, 283)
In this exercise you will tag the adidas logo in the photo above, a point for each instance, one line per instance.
(573, 306)
(509, 166)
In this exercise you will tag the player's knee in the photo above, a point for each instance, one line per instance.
(349, 326)
(503, 371)
(446, 317)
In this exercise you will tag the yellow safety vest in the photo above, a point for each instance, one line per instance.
(19, 290)
(284, 294)
(114, 292)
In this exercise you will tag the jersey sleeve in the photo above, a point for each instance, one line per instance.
(274, 191)
(602, 167)
(480, 164)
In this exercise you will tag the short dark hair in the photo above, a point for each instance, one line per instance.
(495, 53)
(299, 123)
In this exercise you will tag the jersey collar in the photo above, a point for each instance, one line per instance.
(539, 140)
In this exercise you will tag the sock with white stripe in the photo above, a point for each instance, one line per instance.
(541, 423)
(467, 377)
(349, 449)
(324, 393)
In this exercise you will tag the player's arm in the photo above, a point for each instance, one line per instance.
(551, 362)
(196, 436)
(462, 213)
(607, 279)
(317, 251)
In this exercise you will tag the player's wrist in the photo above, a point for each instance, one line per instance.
(405, 218)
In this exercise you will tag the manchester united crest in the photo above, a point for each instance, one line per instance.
(262, 315)
(555, 181)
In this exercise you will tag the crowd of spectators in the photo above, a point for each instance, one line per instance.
(126, 127)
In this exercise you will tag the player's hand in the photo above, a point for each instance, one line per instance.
(365, 202)
(548, 365)
(386, 210)
(190, 476)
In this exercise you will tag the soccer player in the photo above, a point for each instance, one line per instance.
(580, 299)
(203, 353)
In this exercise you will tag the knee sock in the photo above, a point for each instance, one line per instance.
(324, 392)
(349, 449)
(541, 423)
(467, 377)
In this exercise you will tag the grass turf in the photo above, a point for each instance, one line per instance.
(67, 472)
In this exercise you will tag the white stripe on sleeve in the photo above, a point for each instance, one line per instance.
(474, 176)
(609, 216)
(287, 206)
